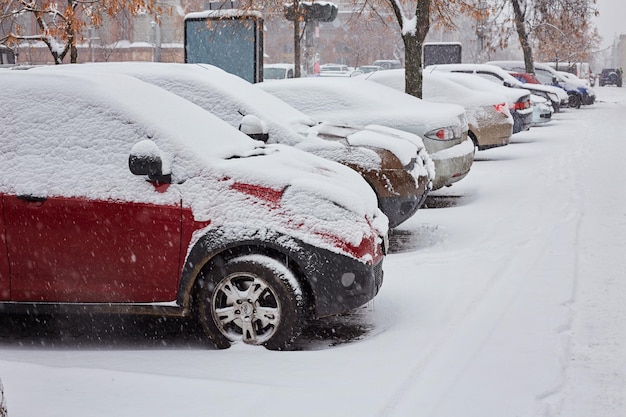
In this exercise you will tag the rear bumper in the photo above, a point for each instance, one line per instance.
(522, 121)
(453, 164)
(494, 135)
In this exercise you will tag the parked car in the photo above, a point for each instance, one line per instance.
(578, 93)
(278, 71)
(388, 63)
(365, 69)
(610, 76)
(335, 70)
(518, 99)
(489, 119)
(120, 197)
(394, 163)
(354, 101)
(542, 110)
(499, 76)
(526, 78)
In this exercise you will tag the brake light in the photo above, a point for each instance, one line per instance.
(522, 105)
(502, 108)
(445, 133)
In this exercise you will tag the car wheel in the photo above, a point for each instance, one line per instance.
(574, 101)
(254, 299)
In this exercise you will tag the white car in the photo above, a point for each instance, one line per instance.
(394, 163)
(518, 99)
(542, 110)
(490, 121)
(278, 71)
(354, 101)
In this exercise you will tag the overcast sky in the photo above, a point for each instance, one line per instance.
(612, 20)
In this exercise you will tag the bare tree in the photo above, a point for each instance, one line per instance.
(61, 25)
(414, 18)
(555, 29)
(520, 8)
(563, 31)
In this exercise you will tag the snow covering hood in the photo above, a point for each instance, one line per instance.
(78, 129)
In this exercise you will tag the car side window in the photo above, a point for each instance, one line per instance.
(490, 76)
(82, 140)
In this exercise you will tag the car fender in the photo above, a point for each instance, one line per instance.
(227, 241)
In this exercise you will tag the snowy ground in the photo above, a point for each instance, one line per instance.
(506, 297)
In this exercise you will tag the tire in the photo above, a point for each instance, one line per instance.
(474, 139)
(252, 299)
(574, 101)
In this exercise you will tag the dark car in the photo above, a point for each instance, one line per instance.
(120, 197)
(610, 76)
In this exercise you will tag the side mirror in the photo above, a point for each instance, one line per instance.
(254, 127)
(145, 159)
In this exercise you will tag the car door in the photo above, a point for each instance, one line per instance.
(79, 250)
(80, 227)
(5, 283)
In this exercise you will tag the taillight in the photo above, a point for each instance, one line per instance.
(522, 105)
(502, 108)
(444, 133)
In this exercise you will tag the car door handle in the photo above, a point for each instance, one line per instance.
(32, 198)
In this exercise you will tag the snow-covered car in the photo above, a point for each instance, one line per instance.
(278, 71)
(499, 76)
(355, 101)
(526, 78)
(488, 116)
(388, 63)
(118, 196)
(518, 99)
(542, 110)
(365, 69)
(335, 70)
(394, 163)
(578, 93)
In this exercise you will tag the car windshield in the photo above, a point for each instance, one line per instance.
(544, 76)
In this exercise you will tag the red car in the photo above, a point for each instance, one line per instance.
(118, 196)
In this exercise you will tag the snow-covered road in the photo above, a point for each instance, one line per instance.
(509, 302)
